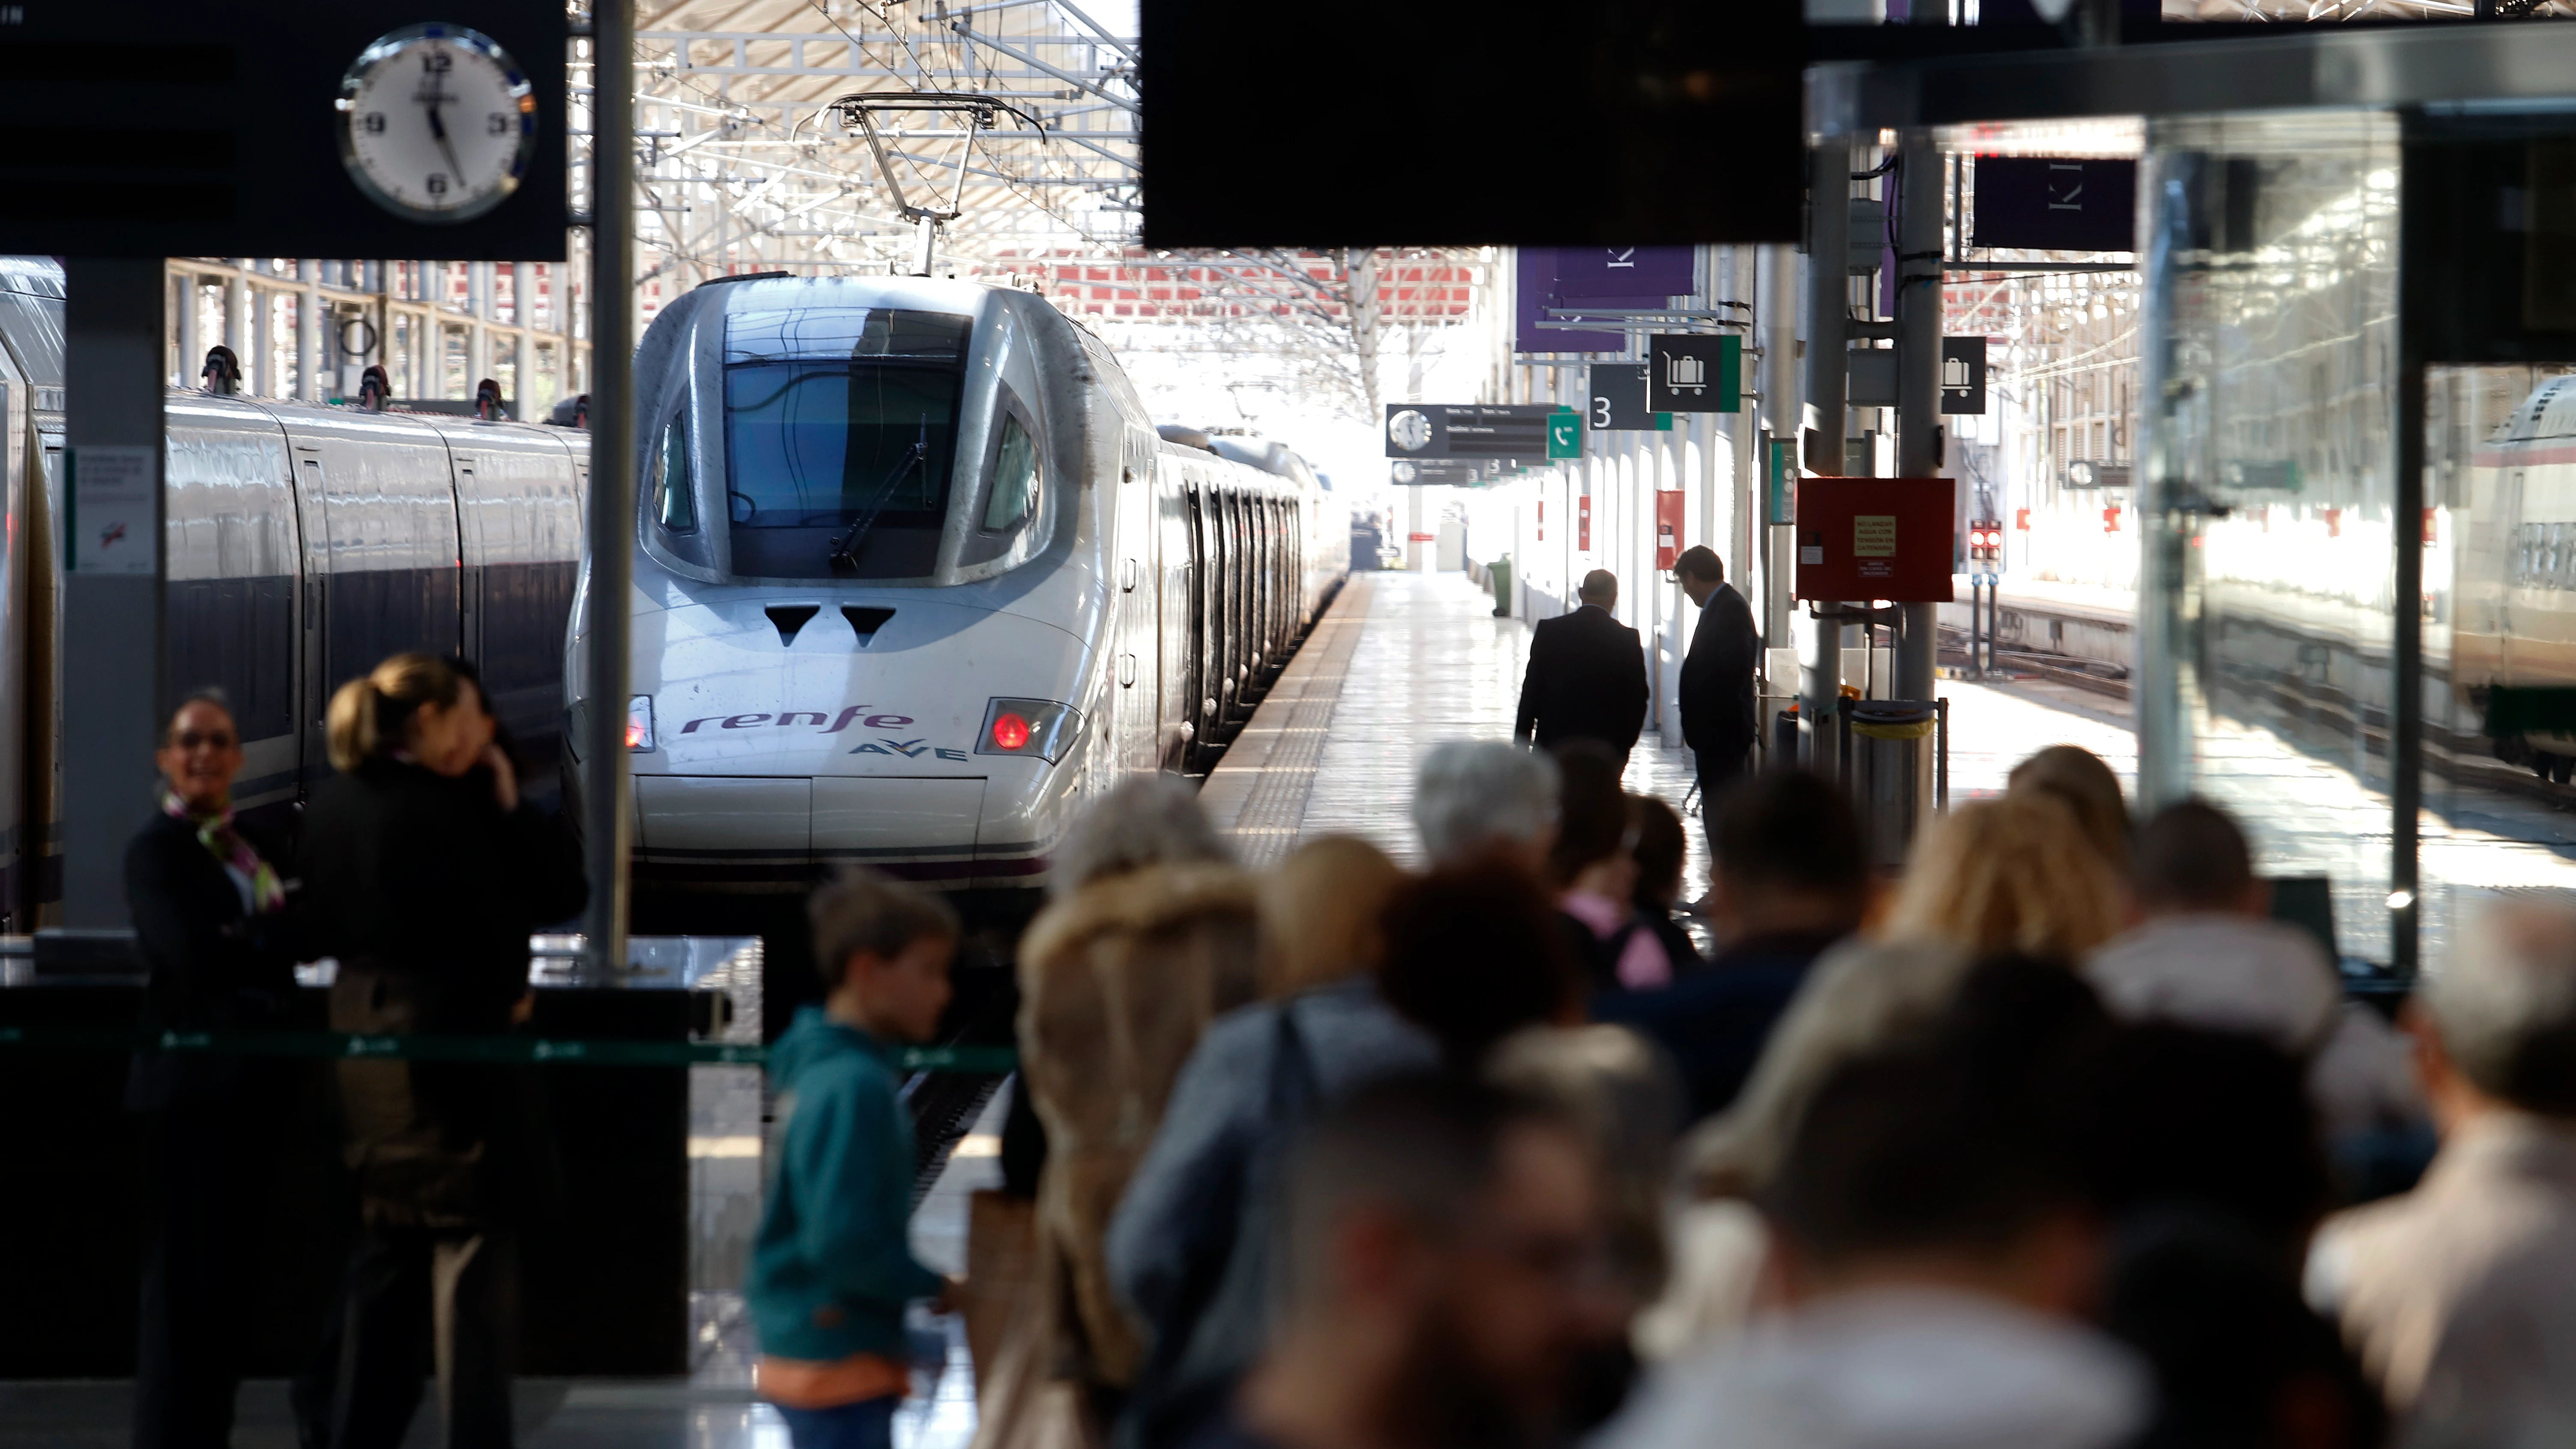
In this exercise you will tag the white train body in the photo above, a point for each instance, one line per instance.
(915, 575)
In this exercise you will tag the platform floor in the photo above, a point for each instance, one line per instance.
(1404, 661)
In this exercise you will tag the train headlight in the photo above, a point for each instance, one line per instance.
(1037, 727)
(639, 723)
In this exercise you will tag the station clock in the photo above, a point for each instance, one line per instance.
(437, 123)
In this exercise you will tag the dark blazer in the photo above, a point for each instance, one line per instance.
(1586, 679)
(426, 891)
(1716, 1021)
(412, 874)
(1718, 712)
(212, 965)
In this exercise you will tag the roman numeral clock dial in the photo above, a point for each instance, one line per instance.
(437, 123)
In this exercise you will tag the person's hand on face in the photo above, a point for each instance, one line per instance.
(200, 756)
(485, 734)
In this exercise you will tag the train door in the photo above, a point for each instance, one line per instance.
(1207, 622)
(389, 549)
(1175, 584)
(1256, 584)
(312, 652)
(1238, 610)
(1225, 608)
(471, 551)
(519, 533)
(1138, 690)
(230, 563)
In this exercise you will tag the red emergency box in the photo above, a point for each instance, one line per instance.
(1876, 538)
(1668, 528)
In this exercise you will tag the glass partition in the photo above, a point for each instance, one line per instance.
(2272, 379)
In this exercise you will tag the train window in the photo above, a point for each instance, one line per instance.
(673, 503)
(825, 459)
(840, 435)
(1015, 478)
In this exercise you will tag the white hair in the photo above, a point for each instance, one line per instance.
(1152, 820)
(2504, 1005)
(1472, 793)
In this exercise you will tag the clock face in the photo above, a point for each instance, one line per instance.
(1409, 430)
(437, 123)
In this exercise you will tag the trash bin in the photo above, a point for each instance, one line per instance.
(1784, 738)
(1889, 752)
(1500, 572)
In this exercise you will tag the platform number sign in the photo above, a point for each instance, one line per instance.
(1617, 399)
(1694, 373)
(1565, 435)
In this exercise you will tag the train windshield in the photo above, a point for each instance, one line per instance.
(840, 436)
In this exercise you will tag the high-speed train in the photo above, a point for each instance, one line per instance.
(303, 543)
(2514, 607)
(915, 575)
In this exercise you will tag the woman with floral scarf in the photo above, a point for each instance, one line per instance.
(210, 921)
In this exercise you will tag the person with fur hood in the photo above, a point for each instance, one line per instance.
(1152, 932)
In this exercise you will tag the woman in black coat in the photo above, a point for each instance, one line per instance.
(424, 872)
(210, 920)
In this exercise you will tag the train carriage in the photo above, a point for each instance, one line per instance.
(302, 544)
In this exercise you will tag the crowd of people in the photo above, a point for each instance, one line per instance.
(2045, 1141)
(2054, 1138)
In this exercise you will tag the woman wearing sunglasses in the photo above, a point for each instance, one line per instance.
(211, 921)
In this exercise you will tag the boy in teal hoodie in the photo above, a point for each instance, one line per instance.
(832, 1267)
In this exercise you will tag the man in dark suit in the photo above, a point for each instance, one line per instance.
(1718, 714)
(1587, 675)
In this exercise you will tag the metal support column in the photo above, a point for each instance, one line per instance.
(308, 334)
(111, 620)
(237, 295)
(2170, 396)
(1918, 373)
(606, 784)
(192, 355)
(478, 339)
(1821, 446)
(2406, 689)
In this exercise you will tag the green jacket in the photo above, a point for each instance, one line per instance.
(832, 1267)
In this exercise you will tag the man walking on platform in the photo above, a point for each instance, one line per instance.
(1587, 675)
(1717, 678)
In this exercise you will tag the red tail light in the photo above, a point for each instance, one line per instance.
(1011, 732)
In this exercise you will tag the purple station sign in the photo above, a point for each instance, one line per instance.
(1610, 278)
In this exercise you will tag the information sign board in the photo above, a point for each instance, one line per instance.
(1478, 430)
(2056, 203)
(1565, 435)
(110, 518)
(1695, 373)
(154, 128)
(1447, 472)
(1876, 538)
(1606, 279)
(1963, 374)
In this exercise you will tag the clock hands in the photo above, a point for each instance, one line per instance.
(447, 148)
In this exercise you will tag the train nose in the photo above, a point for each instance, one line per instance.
(796, 735)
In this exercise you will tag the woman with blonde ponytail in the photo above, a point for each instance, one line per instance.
(424, 873)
